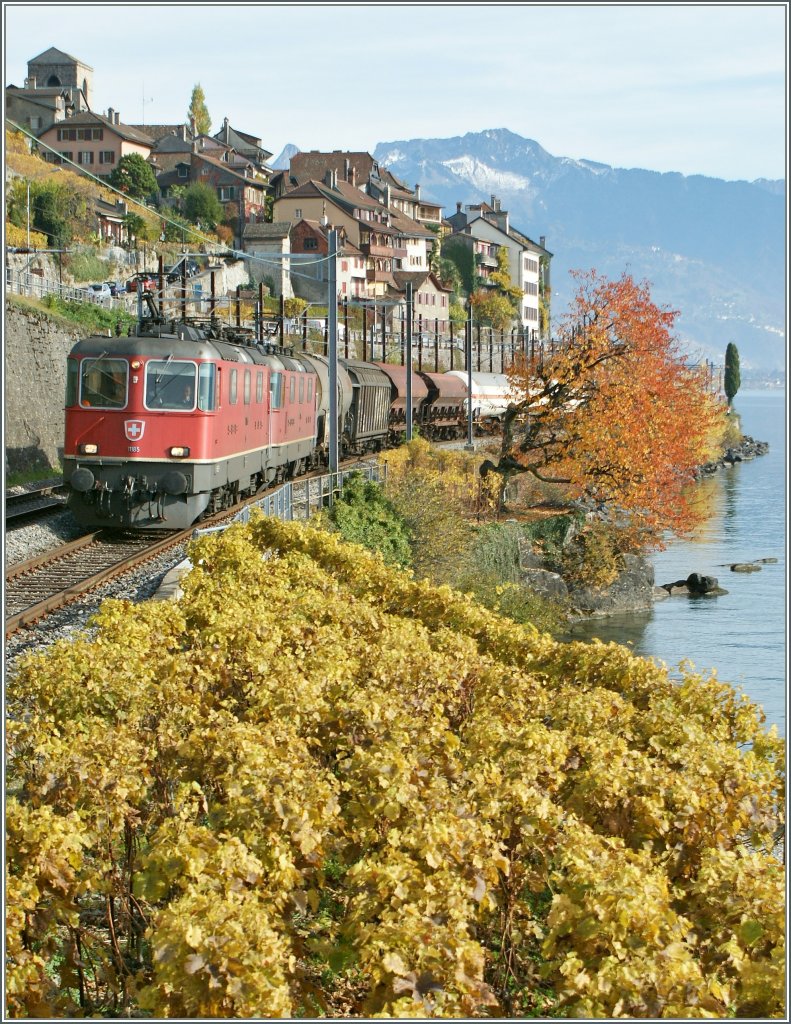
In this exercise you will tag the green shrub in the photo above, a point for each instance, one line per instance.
(492, 575)
(363, 515)
(87, 315)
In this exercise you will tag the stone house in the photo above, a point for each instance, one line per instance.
(269, 246)
(57, 86)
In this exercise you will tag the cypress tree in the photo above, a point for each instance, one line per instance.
(732, 376)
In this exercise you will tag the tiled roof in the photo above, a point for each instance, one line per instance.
(55, 56)
(159, 131)
(312, 165)
(89, 120)
(278, 229)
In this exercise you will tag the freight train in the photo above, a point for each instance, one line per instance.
(179, 420)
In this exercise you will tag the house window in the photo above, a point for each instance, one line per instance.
(85, 158)
(67, 134)
(310, 243)
(227, 192)
(298, 214)
(183, 171)
(107, 156)
(34, 122)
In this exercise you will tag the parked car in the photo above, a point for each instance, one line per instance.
(100, 292)
(116, 287)
(148, 281)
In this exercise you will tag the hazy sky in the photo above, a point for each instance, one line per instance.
(695, 88)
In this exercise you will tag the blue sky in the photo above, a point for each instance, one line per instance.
(695, 88)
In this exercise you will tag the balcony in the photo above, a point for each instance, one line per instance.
(370, 249)
(482, 260)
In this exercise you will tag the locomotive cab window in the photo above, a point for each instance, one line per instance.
(276, 390)
(291, 389)
(247, 380)
(103, 383)
(259, 387)
(233, 387)
(170, 385)
(301, 390)
(310, 389)
(207, 376)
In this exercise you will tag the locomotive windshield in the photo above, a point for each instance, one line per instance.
(170, 384)
(103, 383)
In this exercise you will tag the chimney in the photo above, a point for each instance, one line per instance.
(417, 191)
(354, 177)
(458, 207)
(347, 170)
(334, 179)
(117, 118)
(110, 115)
(387, 196)
(542, 241)
(183, 132)
(328, 178)
(30, 83)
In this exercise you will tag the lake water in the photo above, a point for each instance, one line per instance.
(741, 635)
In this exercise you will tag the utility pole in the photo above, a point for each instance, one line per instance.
(409, 361)
(332, 328)
(469, 446)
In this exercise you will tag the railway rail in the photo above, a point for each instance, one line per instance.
(34, 504)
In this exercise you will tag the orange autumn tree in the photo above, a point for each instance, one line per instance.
(613, 411)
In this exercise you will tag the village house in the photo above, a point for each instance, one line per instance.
(92, 141)
(486, 228)
(388, 239)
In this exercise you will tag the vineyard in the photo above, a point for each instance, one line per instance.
(317, 786)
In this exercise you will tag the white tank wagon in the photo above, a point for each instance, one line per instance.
(492, 393)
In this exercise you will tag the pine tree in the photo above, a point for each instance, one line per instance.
(732, 375)
(199, 111)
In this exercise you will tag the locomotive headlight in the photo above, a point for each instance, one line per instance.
(89, 449)
(179, 453)
(136, 364)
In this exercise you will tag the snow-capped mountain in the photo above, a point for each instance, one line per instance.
(282, 161)
(710, 248)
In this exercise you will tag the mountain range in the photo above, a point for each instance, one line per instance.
(712, 249)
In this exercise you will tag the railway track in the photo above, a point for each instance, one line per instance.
(43, 501)
(52, 580)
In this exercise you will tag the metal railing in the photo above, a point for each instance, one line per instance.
(36, 287)
(302, 498)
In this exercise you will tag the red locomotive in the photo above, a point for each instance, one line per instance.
(171, 423)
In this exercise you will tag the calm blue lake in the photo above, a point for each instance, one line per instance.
(741, 635)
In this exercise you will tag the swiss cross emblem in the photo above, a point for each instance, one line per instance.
(134, 429)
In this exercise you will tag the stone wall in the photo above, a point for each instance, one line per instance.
(35, 348)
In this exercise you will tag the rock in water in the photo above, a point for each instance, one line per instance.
(699, 584)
